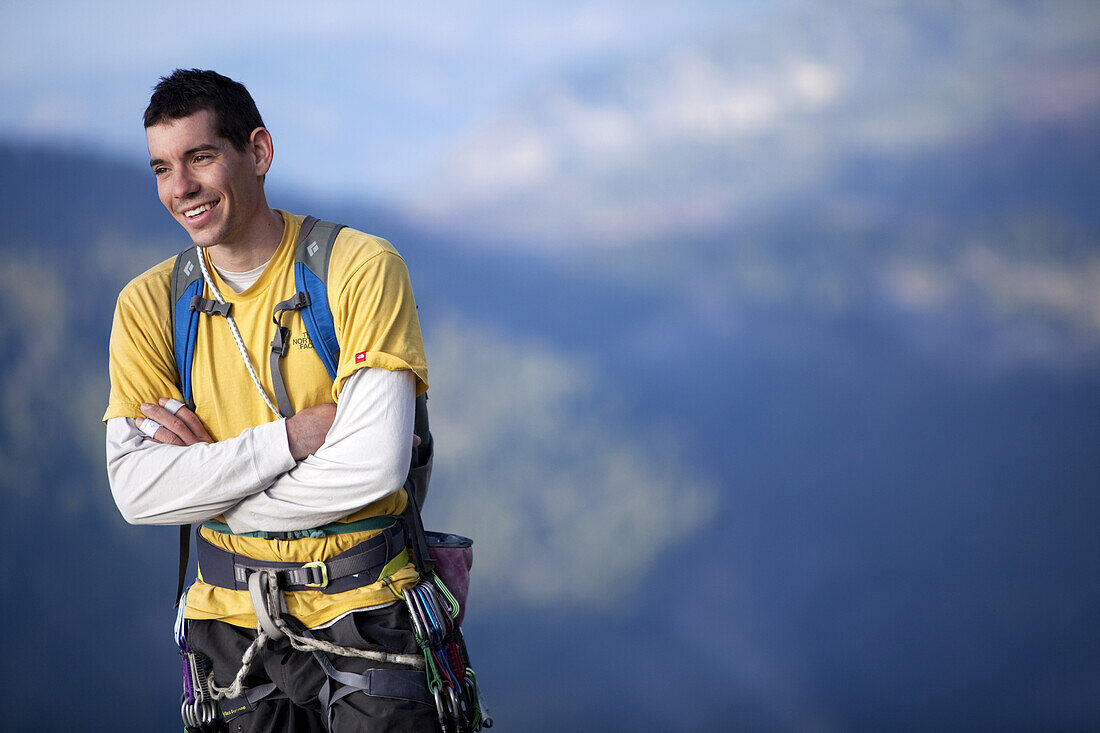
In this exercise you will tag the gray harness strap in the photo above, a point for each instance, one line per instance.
(353, 568)
(231, 708)
(279, 346)
(402, 684)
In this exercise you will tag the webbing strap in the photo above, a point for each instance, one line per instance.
(424, 563)
(403, 684)
(354, 568)
(187, 283)
(232, 707)
(185, 555)
(360, 525)
(311, 259)
(279, 345)
(278, 348)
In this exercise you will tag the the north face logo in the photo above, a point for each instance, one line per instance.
(303, 341)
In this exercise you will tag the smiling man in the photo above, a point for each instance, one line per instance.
(287, 487)
(208, 183)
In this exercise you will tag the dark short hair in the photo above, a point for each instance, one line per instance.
(187, 91)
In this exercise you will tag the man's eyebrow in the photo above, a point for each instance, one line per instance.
(187, 153)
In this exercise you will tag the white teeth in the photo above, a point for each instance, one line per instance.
(198, 210)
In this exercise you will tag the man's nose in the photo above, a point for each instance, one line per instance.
(184, 184)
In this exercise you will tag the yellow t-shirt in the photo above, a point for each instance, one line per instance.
(374, 313)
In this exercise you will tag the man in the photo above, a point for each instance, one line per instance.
(298, 489)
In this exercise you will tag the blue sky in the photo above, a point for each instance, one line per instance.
(363, 99)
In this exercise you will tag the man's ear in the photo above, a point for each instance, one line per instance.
(262, 148)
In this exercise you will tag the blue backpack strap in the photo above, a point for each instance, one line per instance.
(311, 258)
(187, 283)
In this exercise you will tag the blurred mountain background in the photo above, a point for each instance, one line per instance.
(765, 372)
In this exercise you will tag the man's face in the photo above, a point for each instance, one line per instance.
(212, 189)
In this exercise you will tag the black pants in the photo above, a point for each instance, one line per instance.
(300, 676)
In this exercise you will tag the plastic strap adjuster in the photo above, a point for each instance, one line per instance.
(324, 574)
(281, 342)
(210, 307)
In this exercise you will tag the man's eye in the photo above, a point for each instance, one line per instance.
(159, 171)
(201, 157)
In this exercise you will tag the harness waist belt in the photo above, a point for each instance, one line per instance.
(354, 568)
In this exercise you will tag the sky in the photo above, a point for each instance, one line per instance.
(363, 99)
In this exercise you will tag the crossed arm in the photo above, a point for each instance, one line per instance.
(305, 431)
(316, 467)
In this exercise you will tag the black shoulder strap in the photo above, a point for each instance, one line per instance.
(416, 486)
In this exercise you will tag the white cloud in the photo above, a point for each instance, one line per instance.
(657, 146)
(817, 84)
(689, 137)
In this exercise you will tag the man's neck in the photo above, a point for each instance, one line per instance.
(254, 247)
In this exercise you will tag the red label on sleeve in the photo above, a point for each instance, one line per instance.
(360, 357)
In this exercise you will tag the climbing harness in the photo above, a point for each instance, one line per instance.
(361, 565)
(441, 675)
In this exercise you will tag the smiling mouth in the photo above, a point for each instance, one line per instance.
(191, 213)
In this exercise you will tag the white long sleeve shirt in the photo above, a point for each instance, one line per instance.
(253, 480)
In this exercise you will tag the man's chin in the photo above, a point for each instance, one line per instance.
(202, 237)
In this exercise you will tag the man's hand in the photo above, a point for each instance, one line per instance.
(177, 427)
(307, 429)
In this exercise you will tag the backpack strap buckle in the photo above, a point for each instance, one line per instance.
(210, 307)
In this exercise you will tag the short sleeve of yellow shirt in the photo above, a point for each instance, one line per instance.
(142, 362)
(373, 309)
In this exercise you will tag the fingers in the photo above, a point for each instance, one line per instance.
(158, 432)
(168, 424)
(416, 440)
(189, 418)
(184, 426)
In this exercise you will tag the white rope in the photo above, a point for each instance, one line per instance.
(302, 644)
(235, 332)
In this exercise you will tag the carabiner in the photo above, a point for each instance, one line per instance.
(439, 710)
(418, 627)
